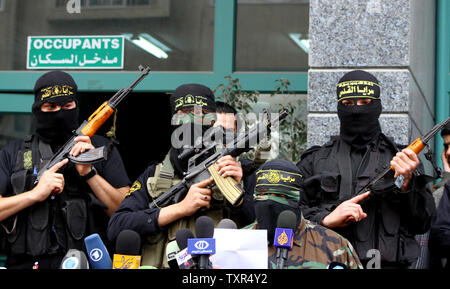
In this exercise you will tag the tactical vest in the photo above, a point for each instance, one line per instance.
(382, 229)
(154, 249)
(56, 224)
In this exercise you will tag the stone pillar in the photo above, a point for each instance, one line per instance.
(393, 40)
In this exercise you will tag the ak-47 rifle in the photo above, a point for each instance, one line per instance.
(207, 168)
(416, 146)
(89, 127)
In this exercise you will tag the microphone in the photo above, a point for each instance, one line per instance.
(98, 255)
(205, 244)
(226, 224)
(74, 259)
(184, 260)
(336, 265)
(128, 246)
(284, 236)
(171, 251)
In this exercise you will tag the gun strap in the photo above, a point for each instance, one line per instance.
(167, 171)
(46, 153)
(429, 155)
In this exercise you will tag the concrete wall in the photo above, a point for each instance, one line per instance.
(394, 40)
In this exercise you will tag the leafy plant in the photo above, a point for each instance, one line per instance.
(292, 128)
(233, 94)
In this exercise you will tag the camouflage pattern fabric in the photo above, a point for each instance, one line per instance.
(315, 247)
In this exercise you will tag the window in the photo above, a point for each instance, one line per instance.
(183, 29)
(106, 3)
(2, 2)
(272, 35)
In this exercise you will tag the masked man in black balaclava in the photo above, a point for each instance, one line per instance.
(193, 109)
(278, 187)
(43, 221)
(385, 219)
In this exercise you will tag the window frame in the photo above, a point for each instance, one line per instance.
(442, 97)
(22, 82)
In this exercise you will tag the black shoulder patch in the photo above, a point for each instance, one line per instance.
(309, 151)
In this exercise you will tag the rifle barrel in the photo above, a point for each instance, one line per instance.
(119, 96)
(434, 130)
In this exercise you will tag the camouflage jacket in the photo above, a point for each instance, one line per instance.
(315, 247)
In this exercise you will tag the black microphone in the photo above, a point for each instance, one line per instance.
(226, 224)
(204, 230)
(284, 236)
(128, 247)
(336, 265)
(184, 260)
(75, 259)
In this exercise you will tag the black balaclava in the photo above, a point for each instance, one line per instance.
(56, 127)
(189, 97)
(359, 123)
(273, 179)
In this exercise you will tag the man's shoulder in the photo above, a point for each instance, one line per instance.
(389, 142)
(321, 241)
(149, 171)
(13, 147)
(141, 182)
(313, 150)
(16, 144)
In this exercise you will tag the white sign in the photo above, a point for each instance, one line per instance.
(240, 249)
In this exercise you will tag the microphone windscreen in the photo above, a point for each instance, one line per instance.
(336, 265)
(128, 242)
(287, 219)
(226, 224)
(97, 253)
(182, 237)
(75, 259)
(204, 227)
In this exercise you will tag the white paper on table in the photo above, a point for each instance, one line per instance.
(240, 249)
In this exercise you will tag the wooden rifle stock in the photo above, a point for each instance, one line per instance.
(90, 126)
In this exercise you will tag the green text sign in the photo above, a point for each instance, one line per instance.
(75, 52)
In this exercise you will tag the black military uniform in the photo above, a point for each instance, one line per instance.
(134, 212)
(440, 232)
(44, 232)
(336, 171)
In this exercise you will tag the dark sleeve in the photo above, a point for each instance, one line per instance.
(312, 206)
(245, 213)
(8, 156)
(440, 229)
(418, 203)
(113, 169)
(134, 213)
